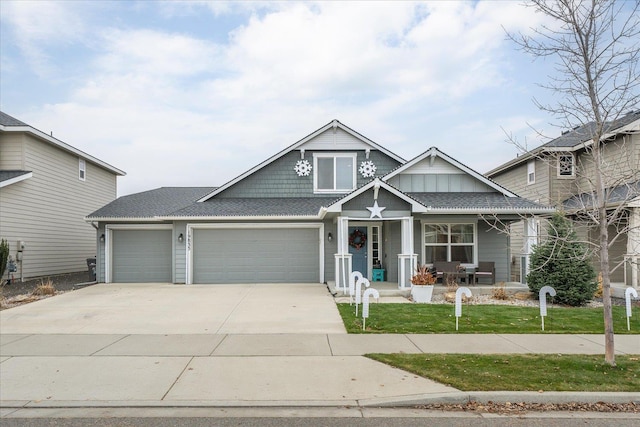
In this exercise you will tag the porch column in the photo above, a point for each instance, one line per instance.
(633, 248)
(343, 257)
(407, 260)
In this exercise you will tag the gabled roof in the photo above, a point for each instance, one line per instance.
(149, 204)
(11, 124)
(434, 152)
(9, 177)
(415, 205)
(576, 139)
(334, 124)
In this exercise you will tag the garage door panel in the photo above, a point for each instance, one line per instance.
(141, 256)
(255, 255)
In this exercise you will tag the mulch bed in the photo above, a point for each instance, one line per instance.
(17, 293)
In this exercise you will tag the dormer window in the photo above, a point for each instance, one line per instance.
(566, 165)
(334, 172)
(82, 170)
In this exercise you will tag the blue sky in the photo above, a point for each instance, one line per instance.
(194, 93)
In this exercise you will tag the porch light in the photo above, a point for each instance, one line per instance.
(329, 236)
(181, 238)
(102, 238)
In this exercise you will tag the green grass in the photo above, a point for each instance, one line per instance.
(530, 372)
(483, 319)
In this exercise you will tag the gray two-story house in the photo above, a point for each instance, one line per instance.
(329, 204)
(560, 173)
(46, 189)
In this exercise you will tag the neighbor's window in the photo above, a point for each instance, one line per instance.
(334, 172)
(82, 169)
(449, 242)
(566, 165)
(531, 172)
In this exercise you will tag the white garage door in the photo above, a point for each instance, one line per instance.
(141, 256)
(256, 255)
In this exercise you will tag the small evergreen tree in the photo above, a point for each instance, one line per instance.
(562, 263)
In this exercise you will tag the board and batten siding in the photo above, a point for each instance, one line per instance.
(47, 210)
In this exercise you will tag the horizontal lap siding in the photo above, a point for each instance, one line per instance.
(47, 211)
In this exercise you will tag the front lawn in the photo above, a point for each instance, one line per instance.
(483, 319)
(529, 372)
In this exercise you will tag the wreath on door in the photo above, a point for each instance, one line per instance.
(357, 239)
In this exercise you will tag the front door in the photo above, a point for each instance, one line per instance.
(358, 249)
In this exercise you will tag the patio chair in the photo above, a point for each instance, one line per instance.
(447, 269)
(486, 270)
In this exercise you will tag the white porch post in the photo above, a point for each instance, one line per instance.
(633, 248)
(407, 260)
(343, 257)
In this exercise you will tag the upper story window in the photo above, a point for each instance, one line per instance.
(333, 172)
(531, 172)
(82, 169)
(566, 165)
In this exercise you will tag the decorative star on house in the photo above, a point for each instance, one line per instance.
(376, 211)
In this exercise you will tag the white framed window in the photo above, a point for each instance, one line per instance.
(531, 171)
(334, 172)
(566, 165)
(82, 170)
(450, 242)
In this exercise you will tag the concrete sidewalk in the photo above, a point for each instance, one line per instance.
(122, 370)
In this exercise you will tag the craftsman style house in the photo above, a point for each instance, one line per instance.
(329, 204)
(46, 189)
(560, 173)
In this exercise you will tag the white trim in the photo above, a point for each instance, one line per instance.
(573, 165)
(415, 205)
(434, 152)
(108, 229)
(62, 145)
(448, 245)
(334, 156)
(16, 179)
(286, 226)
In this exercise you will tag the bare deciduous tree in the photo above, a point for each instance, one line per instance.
(596, 47)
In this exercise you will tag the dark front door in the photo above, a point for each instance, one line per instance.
(358, 249)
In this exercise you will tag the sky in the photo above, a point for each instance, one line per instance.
(194, 93)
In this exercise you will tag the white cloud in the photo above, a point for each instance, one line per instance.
(173, 108)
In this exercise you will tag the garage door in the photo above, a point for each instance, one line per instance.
(140, 256)
(256, 255)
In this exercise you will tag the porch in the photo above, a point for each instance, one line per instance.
(390, 289)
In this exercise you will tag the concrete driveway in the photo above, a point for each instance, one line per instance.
(179, 309)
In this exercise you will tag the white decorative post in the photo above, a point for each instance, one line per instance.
(359, 291)
(354, 277)
(365, 304)
(459, 292)
(543, 301)
(627, 296)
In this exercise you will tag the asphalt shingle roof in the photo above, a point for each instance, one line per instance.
(616, 195)
(285, 206)
(475, 201)
(10, 174)
(7, 120)
(152, 203)
(584, 133)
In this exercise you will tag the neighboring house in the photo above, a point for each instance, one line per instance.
(560, 173)
(329, 204)
(46, 189)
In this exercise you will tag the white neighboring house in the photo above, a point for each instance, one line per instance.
(47, 187)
